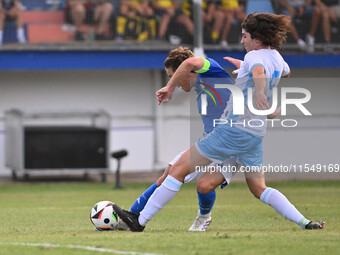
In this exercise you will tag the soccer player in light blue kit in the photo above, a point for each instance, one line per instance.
(207, 73)
(263, 66)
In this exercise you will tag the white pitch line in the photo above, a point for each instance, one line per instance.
(89, 248)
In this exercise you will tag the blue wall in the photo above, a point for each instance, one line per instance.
(77, 60)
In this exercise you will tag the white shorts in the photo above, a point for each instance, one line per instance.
(227, 169)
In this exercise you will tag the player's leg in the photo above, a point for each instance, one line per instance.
(164, 194)
(206, 200)
(206, 185)
(172, 184)
(141, 201)
(219, 175)
(275, 199)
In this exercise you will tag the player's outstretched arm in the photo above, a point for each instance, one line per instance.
(236, 62)
(164, 94)
(182, 72)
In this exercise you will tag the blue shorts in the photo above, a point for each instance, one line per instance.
(225, 141)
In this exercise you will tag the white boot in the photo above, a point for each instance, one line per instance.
(201, 222)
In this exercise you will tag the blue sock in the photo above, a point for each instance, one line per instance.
(140, 203)
(206, 201)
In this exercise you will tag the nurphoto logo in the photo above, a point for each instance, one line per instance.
(239, 103)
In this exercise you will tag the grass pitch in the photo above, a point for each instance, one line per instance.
(53, 218)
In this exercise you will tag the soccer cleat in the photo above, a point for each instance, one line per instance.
(315, 225)
(129, 218)
(122, 226)
(201, 222)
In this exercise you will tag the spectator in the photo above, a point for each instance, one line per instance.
(322, 9)
(136, 21)
(328, 16)
(169, 11)
(89, 12)
(131, 8)
(214, 16)
(211, 17)
(9, 11)
(298, 9)
(336, 10)
(232, 9)
(102, 13)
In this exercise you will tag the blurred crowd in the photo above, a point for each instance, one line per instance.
(166, 20)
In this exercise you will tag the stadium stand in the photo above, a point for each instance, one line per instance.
(45, 24)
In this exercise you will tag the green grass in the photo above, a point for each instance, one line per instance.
(58, 213)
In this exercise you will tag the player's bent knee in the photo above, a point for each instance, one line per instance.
(177, 172)
(204, 186)
(161, 180)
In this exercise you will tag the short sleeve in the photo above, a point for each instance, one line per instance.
(252, 59)
(286, 69)
(205, 67)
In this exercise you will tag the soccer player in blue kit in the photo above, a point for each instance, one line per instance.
(202, 74)
(263, 66)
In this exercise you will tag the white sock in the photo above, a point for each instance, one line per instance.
(21, 35)
(162, 195)
(282, 206)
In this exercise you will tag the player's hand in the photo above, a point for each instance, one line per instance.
(274, 114)
(261, 101)
(164, 95)
(235, 62)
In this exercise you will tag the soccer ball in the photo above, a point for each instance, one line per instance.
(103, 217)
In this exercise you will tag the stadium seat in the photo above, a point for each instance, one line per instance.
(43, 17)
(48, 33)
(264, 6)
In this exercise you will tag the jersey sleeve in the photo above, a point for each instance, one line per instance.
(286, 69)
(205, 68)
(251, 60)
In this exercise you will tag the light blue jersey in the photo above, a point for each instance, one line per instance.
(244, 141)
(274, 67)
(212, 73)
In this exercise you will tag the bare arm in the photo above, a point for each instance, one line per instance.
(274, 114)
(190, 64)
(259, 79)
(286, 76)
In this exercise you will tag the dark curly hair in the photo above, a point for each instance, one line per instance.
(176, 57)
(270, 29)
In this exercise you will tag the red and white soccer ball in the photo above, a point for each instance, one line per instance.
(103, 217)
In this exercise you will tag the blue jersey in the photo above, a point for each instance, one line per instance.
(211, 73)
